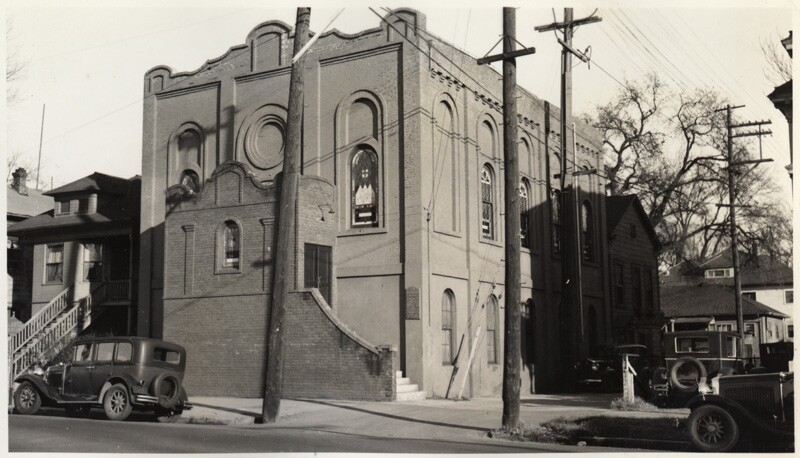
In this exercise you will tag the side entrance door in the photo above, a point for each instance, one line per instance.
(78, 382)
(317, 269)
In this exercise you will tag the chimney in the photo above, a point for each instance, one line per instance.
(20, 183)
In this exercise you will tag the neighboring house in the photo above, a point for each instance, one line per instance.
(87, 243)
(711, 307)
(21, 203)
(764, 279)
(781, 97)
(633, 264)
(399, 243)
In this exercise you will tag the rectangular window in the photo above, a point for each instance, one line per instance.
(83, 206)
(724, 327)
(83, 353)
(750, 295)
(166, 356)
(124, 352)
(730, 350)
(789, 296)
(619, 284)
(691, 345)
(648, 289)
(491, 334)
(317, 267)
(105, 351)
(637, 287)
(54, 269)
(790, 331)
(62, 207)
(92, 262)
(749, 328)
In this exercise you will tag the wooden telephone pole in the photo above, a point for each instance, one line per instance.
(284, 259)
(733, 170)
(571, 293)
(512, 342)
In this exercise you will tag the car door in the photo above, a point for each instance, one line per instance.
(103, 366)
(78, 376)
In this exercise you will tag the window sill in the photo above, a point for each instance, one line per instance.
(227, 271)
(53, 283)
(490, 242)
(362, 231)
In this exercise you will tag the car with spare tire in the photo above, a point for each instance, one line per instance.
(117, 374)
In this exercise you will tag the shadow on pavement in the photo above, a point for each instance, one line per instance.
(94, 414)
(392, 416)
(588, 401)
(228, 409)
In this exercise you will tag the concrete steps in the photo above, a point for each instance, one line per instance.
(407, 391)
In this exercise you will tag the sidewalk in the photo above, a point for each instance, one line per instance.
(430, 418)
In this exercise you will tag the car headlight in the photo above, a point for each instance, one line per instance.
(595, 366)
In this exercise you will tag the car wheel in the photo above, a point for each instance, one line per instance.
(713, 429)
(78, 411)
(168, 415)
(117, 403)
(27, 399)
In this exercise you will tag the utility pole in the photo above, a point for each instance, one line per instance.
(284, 258)
(512, 342)
(571, 289)
(733, 170)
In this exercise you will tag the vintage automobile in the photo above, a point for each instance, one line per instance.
(761, 404)
(603, 371)
(693, 355)
(118, 374)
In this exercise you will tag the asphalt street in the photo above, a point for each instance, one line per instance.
(51, 432)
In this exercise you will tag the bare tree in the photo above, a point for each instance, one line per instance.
(15, 64)
(667, 147)
(779, 64)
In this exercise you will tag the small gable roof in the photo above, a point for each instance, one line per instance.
(616, 206)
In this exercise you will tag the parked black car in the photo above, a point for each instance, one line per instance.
(603, 371)
(118, 374)
(762, 404)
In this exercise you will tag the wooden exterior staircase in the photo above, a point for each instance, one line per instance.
(50, 330)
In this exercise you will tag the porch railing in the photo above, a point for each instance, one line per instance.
(56, 336)
(42, 318)
(118, 289)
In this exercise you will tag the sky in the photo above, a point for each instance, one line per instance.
(86, 62)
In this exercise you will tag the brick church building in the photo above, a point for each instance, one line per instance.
(399, 240)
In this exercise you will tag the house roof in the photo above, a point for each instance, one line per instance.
(753, 269)
(709, 300)
(616, 206)
(96, 182)
(121, 212)
(21, 205)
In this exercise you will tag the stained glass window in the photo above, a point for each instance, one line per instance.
(364, 188)
(524, 209)
(587, 231)
(491, 330)
(232, 245)
(487, 202)
(555, 215)
(448, 318)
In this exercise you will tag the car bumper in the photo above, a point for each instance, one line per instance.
(146, 399)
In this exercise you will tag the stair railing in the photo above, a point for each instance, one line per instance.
(41, 319)
(57, 336)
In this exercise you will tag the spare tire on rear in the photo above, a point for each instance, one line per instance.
(167, 388)
(679, 384)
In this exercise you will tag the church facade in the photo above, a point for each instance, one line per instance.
(399, 227)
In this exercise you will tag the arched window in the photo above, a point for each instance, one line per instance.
(364, 192)
(190, 179)
(487, 202)
(524, 211)
(555, 216)
(587, 231)
(448, 326)
(231, 245)
(491, 330)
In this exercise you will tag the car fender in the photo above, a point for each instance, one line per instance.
(46, 390)
(737, 410)
(127, 380)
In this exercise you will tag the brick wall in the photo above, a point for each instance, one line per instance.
(324, 359)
